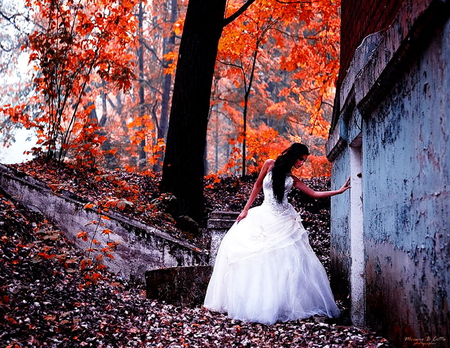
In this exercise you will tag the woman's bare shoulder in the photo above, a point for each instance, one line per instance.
(268, 164)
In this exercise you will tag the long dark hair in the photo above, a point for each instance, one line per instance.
(283, 166)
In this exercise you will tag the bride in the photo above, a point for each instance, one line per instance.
(265, 270)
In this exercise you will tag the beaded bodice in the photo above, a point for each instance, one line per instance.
(269, 196)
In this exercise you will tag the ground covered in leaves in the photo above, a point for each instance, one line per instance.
(45, 302)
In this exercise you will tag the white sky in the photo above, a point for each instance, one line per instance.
(19, 75)
(25, 140)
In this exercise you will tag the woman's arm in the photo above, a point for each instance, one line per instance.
(256, 188)
(319, 194)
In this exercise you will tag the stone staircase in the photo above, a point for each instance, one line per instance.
(218, 224)
(186, 285)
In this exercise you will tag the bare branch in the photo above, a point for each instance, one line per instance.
(294, 2)
(235, 15)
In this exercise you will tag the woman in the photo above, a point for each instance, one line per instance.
(265, 270)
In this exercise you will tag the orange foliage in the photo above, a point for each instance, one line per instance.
(92, 265)
(265, 143)
(315, 166)
(296, 47)
(262, 144)
(76, 44)
(302, 37)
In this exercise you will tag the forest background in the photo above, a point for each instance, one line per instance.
(95, 81)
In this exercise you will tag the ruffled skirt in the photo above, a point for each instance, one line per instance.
(265, 271)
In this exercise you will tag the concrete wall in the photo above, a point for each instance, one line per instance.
(141, 248)
(394, 124)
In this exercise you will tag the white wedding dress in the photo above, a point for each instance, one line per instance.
(265, 270)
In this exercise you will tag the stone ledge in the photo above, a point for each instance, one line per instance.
(218, 225)
(141, 247)
(180, 286)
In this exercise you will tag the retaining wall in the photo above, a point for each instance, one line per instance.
(141, 247)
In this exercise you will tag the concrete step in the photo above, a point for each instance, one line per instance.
(224, 215)
(220, 224)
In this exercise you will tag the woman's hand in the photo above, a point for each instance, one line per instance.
(242, 215)
(345, 187)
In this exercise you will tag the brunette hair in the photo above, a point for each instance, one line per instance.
(283, 166)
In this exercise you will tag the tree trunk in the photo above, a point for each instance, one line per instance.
(183, 168)
(142, 156)
(248, 89)
(168, 45)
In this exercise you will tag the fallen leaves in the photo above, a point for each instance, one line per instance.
(43, 304)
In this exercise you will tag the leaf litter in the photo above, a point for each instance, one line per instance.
(43, 302)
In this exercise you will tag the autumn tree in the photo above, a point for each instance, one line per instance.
(281, 96)
(240, 49)
(74, 45)
(205, 20)
(275, 63)
(138, 121)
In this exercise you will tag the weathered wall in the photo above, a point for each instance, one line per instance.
(141, 247)
(340, 239)
(361, 18)
(407, 201)
(395, 104)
